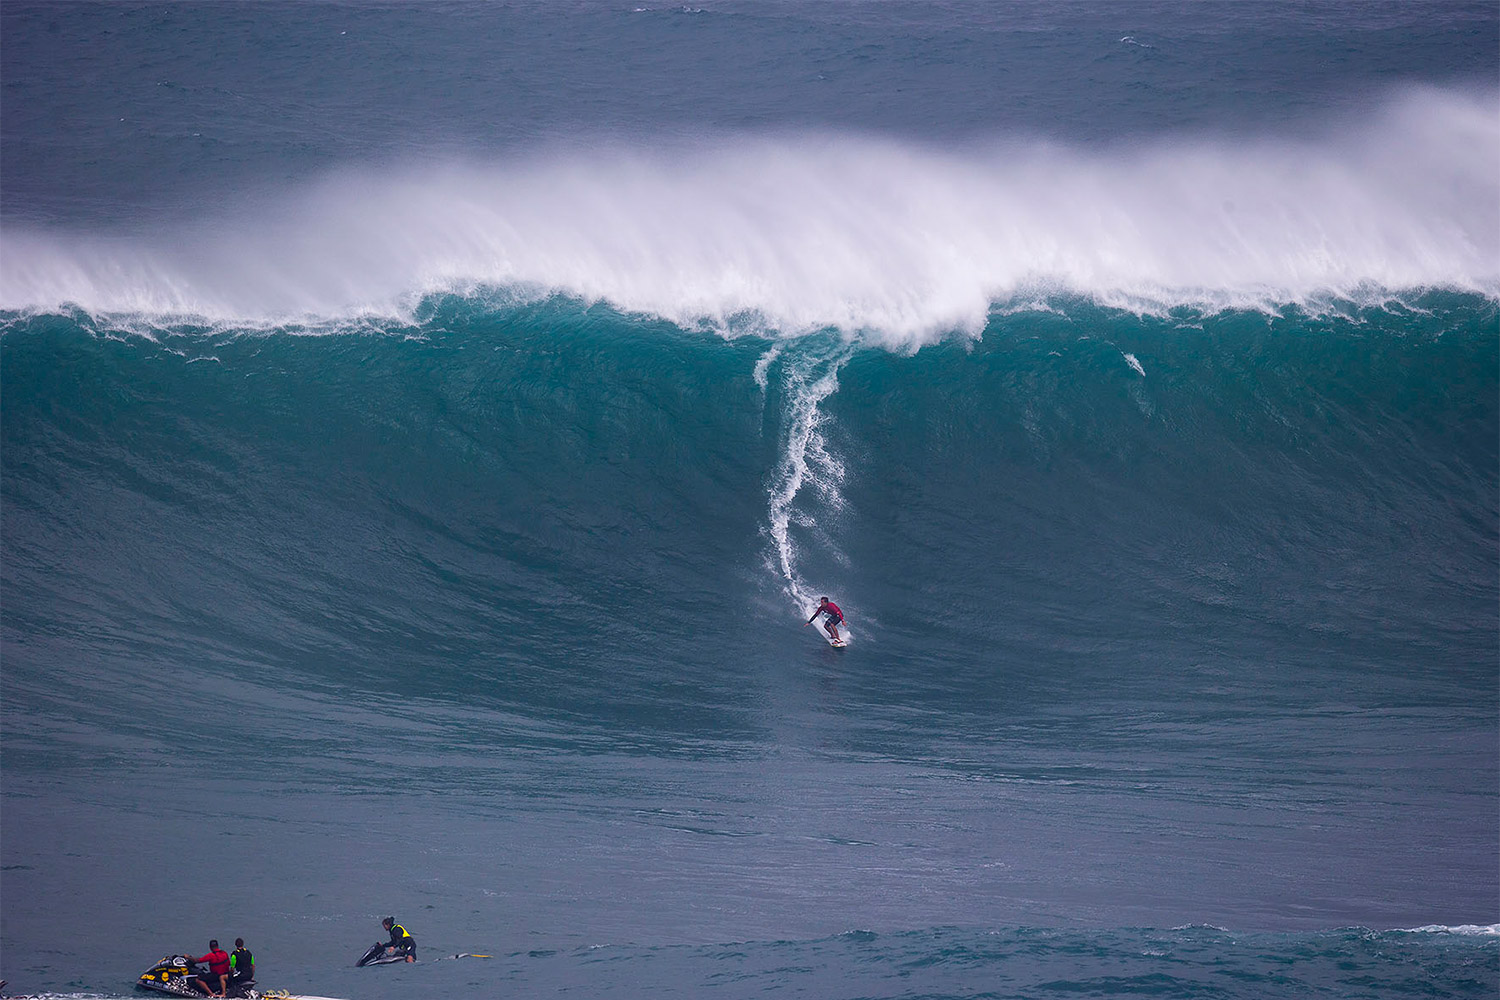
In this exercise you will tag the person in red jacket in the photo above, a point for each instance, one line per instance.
(218, 967)
(834, 618)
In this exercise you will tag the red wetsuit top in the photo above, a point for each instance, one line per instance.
(218, 962)
(832, 611)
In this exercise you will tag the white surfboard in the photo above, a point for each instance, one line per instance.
(844, 635)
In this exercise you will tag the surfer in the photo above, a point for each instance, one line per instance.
(401, 942)
(834, 617)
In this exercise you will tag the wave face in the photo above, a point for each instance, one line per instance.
(906, 242)
(1205, 459)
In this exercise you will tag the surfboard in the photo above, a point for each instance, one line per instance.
(835, 643)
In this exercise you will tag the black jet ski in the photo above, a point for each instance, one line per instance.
(175, 974)
(381, 953)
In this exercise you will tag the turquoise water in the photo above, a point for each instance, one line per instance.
(419, 459)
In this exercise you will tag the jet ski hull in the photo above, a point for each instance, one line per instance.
(174, 976)
(379, 955)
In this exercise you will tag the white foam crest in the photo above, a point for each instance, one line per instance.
(902, 242)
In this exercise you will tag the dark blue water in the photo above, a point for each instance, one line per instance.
(425, 430)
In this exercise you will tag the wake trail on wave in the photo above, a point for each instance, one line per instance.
(787, 234)
(807, 464)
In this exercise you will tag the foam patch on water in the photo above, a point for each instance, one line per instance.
(1465, 930)
(791, 233)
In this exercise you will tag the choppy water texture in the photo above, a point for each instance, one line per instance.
(425, 430)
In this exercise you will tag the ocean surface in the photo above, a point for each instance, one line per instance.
(425, 430)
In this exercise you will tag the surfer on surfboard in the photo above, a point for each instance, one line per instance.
(834, 618)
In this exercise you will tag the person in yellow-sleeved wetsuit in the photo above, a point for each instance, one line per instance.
(401, 943)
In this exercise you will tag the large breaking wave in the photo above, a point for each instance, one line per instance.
(786, 233)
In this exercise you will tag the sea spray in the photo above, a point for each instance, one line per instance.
(789, 233)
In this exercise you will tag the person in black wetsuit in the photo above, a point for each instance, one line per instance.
(241, 964)
(402, 942)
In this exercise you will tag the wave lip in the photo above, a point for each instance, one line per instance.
(804, 232)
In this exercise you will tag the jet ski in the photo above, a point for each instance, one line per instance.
(175, 974)
(381, 953)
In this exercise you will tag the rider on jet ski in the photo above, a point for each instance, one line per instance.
(242, 964)
(218, 966)
(401, 942)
